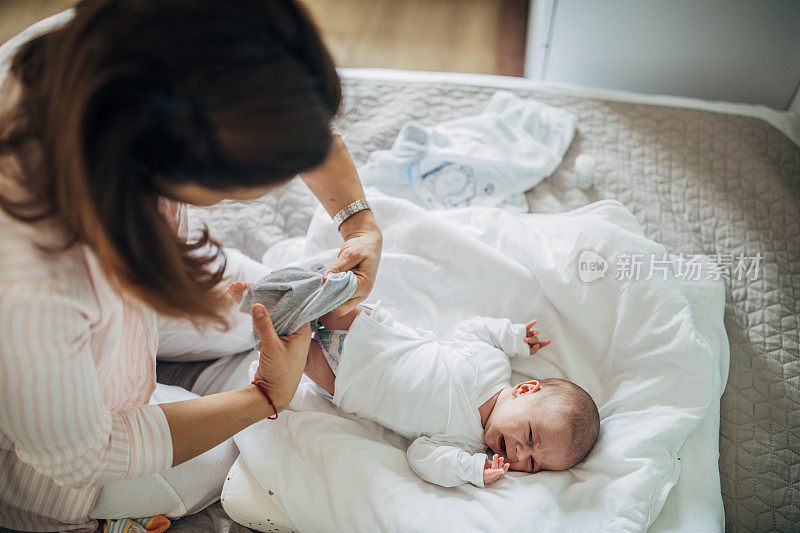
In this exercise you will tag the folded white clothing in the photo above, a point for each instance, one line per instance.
(487, 159)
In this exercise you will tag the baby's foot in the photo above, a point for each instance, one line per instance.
(236, 291)
(531, 337)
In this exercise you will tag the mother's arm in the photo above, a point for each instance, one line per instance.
(335, 183)
(51, 406)
(200, 424)
(53, 413)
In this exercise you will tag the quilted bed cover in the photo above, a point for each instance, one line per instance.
(699, 182)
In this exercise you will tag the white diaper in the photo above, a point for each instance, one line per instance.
(331, 342)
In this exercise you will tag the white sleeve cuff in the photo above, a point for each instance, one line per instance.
(479, 464)
(521, 348)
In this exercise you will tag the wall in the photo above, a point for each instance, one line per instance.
(735, 50)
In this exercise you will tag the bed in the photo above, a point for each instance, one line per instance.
(700, 177)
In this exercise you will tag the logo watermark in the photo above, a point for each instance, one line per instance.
(688, 267)
(591, 266)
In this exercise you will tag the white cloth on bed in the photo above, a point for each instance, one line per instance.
(631, 344)
(487, 159)
(427, 389)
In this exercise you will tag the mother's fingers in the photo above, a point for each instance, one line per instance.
(301, 335)
(344, 261)
(364, 287)
(263, 325)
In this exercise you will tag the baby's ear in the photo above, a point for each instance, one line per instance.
(525, 387)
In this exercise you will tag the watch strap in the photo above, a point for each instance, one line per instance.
(350, 210)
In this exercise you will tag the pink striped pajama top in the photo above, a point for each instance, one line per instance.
(77, 369)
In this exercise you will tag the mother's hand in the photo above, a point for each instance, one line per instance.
(361, 254)
(282, 359)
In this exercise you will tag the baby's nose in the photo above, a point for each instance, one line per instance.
(519, 451)
(520, 466)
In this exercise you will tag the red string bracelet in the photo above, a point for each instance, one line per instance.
(262, 389)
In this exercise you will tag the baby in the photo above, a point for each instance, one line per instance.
(453, 398)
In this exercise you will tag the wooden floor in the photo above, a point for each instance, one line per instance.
(481, 36)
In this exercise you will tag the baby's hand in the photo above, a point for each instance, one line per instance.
(494, 469)
(236, 290)
(532, 339)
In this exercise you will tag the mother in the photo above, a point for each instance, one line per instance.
(109, 123)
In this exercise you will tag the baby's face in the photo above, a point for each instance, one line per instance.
(528, 441)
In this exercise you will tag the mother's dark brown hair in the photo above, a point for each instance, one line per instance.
(130, 94)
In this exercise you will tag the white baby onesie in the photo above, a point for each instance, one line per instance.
(428, 389)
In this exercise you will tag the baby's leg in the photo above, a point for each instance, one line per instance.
(342, 322)
(318, 369)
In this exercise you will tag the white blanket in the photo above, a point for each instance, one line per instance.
(631, 344)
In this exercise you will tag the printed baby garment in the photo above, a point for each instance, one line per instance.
(489, 159)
